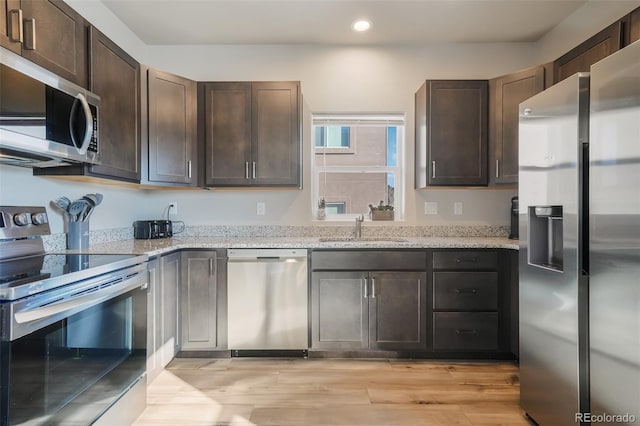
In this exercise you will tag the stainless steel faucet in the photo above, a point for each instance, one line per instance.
(358, 230)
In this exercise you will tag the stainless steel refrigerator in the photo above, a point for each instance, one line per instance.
(579, 193)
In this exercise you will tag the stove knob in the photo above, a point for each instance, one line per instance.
(39, 218)
(22, 219)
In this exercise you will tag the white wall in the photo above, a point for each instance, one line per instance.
(335, 79)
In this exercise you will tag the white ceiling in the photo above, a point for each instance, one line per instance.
(395, 22)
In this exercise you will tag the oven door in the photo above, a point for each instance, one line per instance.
(70, 353)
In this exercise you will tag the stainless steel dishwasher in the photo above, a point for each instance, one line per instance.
(267, 300)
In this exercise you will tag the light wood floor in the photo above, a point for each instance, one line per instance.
(249, 391)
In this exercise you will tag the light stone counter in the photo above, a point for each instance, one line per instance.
(120, 240)
(161, 246)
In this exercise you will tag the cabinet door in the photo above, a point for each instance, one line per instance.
(154, 321)
(451, 132)
(169, 286)
(198, 300)
(398, 309)
(506, 94)
(634, 25)
(275, 150)
(55, 37)
(580, 58)
(227, 134)
(339, 310)
(10, 25)
(514, 295)
(115, 77)
(172, 128)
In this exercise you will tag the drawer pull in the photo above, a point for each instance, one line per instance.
(466, 331)
(466, 290)
(467, 260)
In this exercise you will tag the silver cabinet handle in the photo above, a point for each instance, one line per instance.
(373, 288)
(254, 170)
(246, 170)
(433, 170)
(365, 287)
(211, 266)
(189, 169)
(497, 168)
(15, 25)
(30, 39)
(151, 278)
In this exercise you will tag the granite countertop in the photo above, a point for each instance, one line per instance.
(161, 246)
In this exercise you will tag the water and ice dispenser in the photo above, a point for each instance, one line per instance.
(545, 237)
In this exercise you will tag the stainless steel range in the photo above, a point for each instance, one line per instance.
(72, 329)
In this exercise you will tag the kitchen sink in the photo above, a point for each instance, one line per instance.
(362, 239)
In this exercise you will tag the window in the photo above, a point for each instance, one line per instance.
(357, 161)
(333, 136)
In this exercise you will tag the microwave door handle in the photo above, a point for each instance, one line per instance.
(88, 131)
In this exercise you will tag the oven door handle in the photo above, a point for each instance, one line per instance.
(70, 306)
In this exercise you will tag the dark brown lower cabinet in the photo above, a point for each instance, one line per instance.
(465, 331)
(203, 299)
(432, 303)
(471, 301)
(368, 310)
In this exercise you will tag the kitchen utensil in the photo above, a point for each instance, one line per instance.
(94, 200)
(75, 209)
(62, 203)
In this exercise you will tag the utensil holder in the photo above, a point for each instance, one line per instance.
(78, 236)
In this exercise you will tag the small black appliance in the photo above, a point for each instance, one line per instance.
(514, 219)
(152, 229)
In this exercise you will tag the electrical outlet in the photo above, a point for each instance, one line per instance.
(430, 207)
(457, 208)
(173, 208)
(261, 208)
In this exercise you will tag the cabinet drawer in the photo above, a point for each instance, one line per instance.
(377, 260)
(465, 260)
(476, 291)
(465, 331)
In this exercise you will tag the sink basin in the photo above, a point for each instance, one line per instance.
(362, 240)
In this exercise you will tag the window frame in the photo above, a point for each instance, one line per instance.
(354, 120)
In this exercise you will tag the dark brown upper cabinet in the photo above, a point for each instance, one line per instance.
(48, 33)
(170, 149)
(252, 134)
(451, 133)
(11, 35)
(634, 26)
(505, 94)
(115, 77)
(581, 57)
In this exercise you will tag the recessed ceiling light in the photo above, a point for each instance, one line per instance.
(361, 25)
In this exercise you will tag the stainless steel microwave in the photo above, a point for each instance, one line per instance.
(44, 120)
